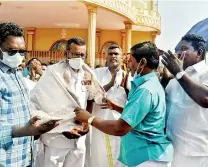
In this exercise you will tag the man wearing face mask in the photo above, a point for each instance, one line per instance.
(65, 147)
(16, 126)
(142, 122)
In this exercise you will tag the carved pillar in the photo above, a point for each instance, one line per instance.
(98, 34)
(154, 37)
(92, 12)
(30, 39)
(128, 28)
(123, 40)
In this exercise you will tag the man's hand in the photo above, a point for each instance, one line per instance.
(106, 103)
(172, 63)
(77, 132)
(111, 83)
(85, 129)
(37, 129)
(82, 115)
(36, 68)
(73, 134)
(32, 128)
(113, 77)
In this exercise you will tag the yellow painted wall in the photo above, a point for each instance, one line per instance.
(138, 37)
(45, 37)
(110, 35)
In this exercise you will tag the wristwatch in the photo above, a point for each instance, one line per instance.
(179, 75)
(90, 120)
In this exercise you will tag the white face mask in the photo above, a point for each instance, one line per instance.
(76, 63)
(12, 61)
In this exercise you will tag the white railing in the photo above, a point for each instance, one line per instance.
(142, 16)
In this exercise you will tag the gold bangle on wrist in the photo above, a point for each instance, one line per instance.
(90, 120)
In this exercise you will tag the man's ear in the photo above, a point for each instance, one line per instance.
(143, 62)
(200, 53)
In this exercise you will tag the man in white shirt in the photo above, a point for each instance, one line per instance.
(187, 102)
(64, 149)
(105, 148)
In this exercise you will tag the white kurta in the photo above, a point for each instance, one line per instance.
(187, 122)
(105, 148)
(58, 151)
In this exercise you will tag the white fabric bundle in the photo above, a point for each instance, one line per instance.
(52, 98)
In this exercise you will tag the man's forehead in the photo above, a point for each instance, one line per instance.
(77, 47)
(15, 42)
(36, 61)
(185, 43)
(114, 50)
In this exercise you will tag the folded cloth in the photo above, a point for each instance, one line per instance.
(52, 97)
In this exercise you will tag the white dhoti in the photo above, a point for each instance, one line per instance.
(105, 148)
(64, 153)
(181, 160)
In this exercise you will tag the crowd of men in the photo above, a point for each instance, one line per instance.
(148, 118)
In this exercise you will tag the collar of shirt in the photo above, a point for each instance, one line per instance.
(139, 81)
(4, 68)
(109, 70)
(78, 75)
(119, 76)
(118, 73)
(197, 67)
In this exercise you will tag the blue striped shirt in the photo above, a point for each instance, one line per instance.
(14, 111)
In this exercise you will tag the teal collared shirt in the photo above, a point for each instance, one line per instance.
(145, 113)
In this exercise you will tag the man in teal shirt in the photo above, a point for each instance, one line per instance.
(142, 123)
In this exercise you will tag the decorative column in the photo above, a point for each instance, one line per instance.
(123, 42)
(92, 12)
(30, 39)
(98, 34)
(128, 29)
(154, 37)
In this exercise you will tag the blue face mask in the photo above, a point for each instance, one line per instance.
(26, 72)
(136, 75)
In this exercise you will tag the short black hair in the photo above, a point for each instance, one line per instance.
(146, 50)
(76, 40)
(197, 41)
(44, 64)
(114, 46)
(9, 29)
(98, 66)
